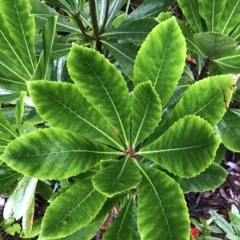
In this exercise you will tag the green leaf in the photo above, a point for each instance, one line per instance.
(210, 105)
(43, 12)
(100, 82)
(221, 222)
(105, 13)
(48, 39)
(228, 129)
(134, 32)
(230, 63)
(7, 178)
(229, 19)
(64, 216)
(36, 227)
(209, 179)
(212, 13)
(149, 8)
(220, 154)
(63, 4)
(7, 128)
(19, 111)
(215, 44)
(20, 199)
(156, 194)
(21, 28)
(116, 178)
(64, 152)
(124, 54)
(190, 10)
(153, 59)
(163, 16)
(27, 220)
(79, 115)
(146, 112)
(121, 227)
(178, 147)
(191, 45)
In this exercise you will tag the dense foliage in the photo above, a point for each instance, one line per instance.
(105, 111)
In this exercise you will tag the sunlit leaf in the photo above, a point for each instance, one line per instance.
(79, 115)
(64, 152)
(146, 112)
(116, 178)
(178, 147)
(156, 194)
(100, 83)
(153, 61)
(74, 214)
(210, 105)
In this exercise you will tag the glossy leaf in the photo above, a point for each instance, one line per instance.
(64, 152)
(213, 12)
(146, 112)
(149, 8)
(156, 194)
(230, 63)
(210, 105)
(74, 214)
(20, 199)
(7, 178)
(209, 179)
(19, 111)
(124, 54)
(190, 10)
(153, 61)
(100, 82)
(121, 227)
(228, 129)
(79, 115)
(21, 29)
(116, 178)
(42, 12)
(178, 147)
(229, 19)
(105, 14)
(133, 32)
(215, 44)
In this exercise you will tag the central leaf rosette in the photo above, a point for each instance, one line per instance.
(96, 124)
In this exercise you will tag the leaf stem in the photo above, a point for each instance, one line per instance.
(94, 20)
